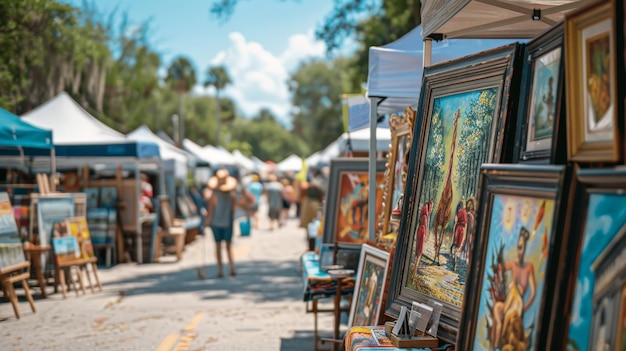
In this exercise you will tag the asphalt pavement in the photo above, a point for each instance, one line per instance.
(167, 306)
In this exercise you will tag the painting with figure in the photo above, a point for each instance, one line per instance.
(605, 218)
(371, 286)
(446, 210)
(543, 105)
(520, 231)
(597, 72)
(352, 206)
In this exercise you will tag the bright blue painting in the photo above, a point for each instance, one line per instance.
(606, 216)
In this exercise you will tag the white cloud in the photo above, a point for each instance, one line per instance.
(260, 78)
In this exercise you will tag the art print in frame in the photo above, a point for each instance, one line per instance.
(401, 127)
(595, 317)
(347, 209)
(541, 101)
(593, 129)
(78, 228)
(369, 286)
(514, 262)
(11, 252)
(466, 122)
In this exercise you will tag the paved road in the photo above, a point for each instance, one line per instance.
(165, 306)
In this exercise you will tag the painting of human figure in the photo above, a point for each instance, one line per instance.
(459, 139)
(598, 87)
(604, 220)
(352, 206)
(543, 104)
(369, 287)
(520, 230)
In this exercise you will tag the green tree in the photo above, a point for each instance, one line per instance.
(316, 93)
(218, 78)
(181, 76)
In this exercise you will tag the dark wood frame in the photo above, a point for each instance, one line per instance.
(497, 67)
(338, 166)
(555, 152)
(530, 181)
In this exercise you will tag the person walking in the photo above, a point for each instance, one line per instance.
(288, 199)
(220, 215)
(256, 188)
(274, 191)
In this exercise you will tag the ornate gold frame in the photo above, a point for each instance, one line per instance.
(400, 126)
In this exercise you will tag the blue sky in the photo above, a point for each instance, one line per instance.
(260, 44)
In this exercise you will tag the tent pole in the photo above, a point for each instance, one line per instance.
(53, 170)
(428, 50)
(371, 201)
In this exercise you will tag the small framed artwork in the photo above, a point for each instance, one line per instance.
(78, 228)
(466, 122)
(541, 127)
(595, 303)
(346, 220)
(514, 262)
(401, 127)
(592, 101)
(108, 197)
(368, 289)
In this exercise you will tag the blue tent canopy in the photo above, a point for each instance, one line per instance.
(16, 133)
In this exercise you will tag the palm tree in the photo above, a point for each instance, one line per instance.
(181, 75)
(217, 77)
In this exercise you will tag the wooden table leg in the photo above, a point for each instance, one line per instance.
(337, 314)
(315, 337)
(36, 265)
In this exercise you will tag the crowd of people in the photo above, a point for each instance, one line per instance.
(228, 198)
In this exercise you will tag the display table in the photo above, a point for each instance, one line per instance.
(319, 284)
(375, 338)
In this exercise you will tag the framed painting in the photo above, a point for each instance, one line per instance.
(401, 127)
(78, 228)
(368, 289)
(11, 250)
(594, 308)
(468, 120)
(514, 261)
(592, 101)
(541, 129)
(347, 210)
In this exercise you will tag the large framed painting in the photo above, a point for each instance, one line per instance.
(468, 120)
(593, 129)
(11, 252)
(515, 258)
(542, 137)
(401, 127)
(347, 210)
(368, 289)
(595, 305)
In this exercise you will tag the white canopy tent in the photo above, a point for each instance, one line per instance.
(293, 163)
(168, 151)
(260, 166)
(244, 162)
(209, 154)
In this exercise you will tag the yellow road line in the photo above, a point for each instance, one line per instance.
(168, 343)
(194, 322)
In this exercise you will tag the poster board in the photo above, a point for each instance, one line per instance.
(11, 252)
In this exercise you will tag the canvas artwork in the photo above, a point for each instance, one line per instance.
(543, 105)
(66, 250)
(605, 221)
(520, 231)
(108, 197)
(368, 290)
(352, 211)
(440, 249)
(598, 99)
(78, 228)
(92, 197)
(11, 252)
(50, 212)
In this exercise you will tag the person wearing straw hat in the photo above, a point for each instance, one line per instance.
(220, 215)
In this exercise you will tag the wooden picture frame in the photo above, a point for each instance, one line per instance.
(346, 211)
(401, 127)
(369, 287)
(477, 87)
(589, 317)
(521, 221)
(593, 102)
(541, 137)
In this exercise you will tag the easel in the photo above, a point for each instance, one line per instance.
(14, 274)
